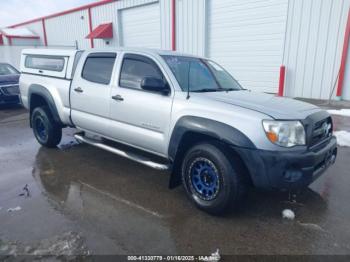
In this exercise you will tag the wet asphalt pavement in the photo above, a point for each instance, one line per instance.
(83, 200)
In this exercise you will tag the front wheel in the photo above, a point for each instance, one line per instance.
(210, 179)
(46, 130)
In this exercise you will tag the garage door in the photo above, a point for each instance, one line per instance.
(247, 37)
(140, 26)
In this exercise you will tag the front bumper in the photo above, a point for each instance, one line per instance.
(289, 170)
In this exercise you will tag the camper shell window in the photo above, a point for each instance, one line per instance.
(51, 63)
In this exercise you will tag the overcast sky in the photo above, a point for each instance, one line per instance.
(17, 11)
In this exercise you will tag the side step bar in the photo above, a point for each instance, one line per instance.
(140, 159)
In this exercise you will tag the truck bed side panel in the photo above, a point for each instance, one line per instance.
(57, 87)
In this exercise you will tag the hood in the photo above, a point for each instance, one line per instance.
(9, 79)
(274, 106)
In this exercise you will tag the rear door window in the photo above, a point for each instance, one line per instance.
(98, 68)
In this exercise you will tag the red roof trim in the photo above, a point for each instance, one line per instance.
(103, 2)
(102, 31)
(21, 36)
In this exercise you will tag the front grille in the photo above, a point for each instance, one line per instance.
(10, 90)
(321, 131)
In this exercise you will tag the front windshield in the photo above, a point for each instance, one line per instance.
(6, 69)
(200, 75)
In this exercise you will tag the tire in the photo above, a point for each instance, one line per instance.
(210, 180)
(46, 130)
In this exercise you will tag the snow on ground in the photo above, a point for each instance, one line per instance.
(343, 138)
(14, 209)
(341, 112)
(288, 214)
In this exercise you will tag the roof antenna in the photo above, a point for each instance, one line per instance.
(188, 92)
(76, 44)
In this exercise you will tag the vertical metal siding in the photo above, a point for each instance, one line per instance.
(25, 42)
(165, 23)
(190, 26)
(105, 14)
(247, 38)
(12, 54)
(37, 28)
(314, 38)
(66, 29)
(122, 4)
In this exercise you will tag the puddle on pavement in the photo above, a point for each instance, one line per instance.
(116, 205)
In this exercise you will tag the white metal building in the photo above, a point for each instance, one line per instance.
(253, 39)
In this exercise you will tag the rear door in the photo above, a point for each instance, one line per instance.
(90, 92)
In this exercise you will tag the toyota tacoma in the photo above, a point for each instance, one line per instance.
(181, 113)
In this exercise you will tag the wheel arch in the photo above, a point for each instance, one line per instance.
(190, 130)
(39, 96)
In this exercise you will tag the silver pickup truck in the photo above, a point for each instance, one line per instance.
(181, 113)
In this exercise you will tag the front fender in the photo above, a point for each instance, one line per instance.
(201, 126)
(217, 130)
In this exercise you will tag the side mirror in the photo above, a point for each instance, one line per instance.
(155, 84)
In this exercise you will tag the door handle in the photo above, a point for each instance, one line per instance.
(118, 98)
(79, 90)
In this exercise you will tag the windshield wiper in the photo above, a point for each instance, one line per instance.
(207, 90)
(232, 89)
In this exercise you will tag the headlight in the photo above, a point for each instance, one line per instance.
(285, 133)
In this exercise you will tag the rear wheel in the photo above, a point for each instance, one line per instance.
(46, 130)
(211, 180)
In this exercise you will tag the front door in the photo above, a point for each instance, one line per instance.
(90, 92)
(140, 118)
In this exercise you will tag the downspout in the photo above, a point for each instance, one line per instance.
(282, 80)
(90, 27)
(343, 59)
(282, 74)
(173, 25)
